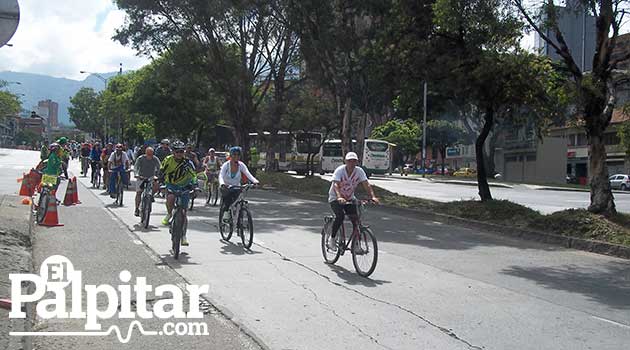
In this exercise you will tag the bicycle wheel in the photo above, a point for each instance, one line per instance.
(192, 201)
(330, 256)
(225, 228)
(177, 227)
(42, 206)
(208, 190)
(215, 194)
(246, 229)
(119, 190)
(98, 179)
(364, 252)
(146, 211)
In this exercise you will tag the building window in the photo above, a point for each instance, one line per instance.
(571, 141)
(511, 158)
(581, 140)
(531, 158)
(611, 138)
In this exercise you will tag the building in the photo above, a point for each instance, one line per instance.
(9, 126)
(34, 123)
(577, 148)
(49, 109)
(579, 31)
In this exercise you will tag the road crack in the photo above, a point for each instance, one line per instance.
(328, 307)
(442, 329)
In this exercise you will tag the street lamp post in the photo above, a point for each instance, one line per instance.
(424, 131)
(104, 80)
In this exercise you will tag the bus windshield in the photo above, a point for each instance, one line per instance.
(308, 143)
(332, 150)
(377, 146)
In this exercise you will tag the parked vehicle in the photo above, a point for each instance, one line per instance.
(465, 172)
(620, 182)
(427, 171)
(447, 171)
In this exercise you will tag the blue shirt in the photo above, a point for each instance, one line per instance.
(95, 154)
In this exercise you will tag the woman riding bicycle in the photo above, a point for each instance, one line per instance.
(231, 174)
(211, 165)
(346, 179)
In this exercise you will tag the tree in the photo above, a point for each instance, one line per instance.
(84, 111)
(595, 90)
(230, 37)
(442, 134)
(405, 134)
(9, 103)
(28, 137)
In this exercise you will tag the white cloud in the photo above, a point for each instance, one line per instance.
(60, 38)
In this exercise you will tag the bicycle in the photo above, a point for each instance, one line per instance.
(212, 190)
(48, 185)
(240, 208)
(362, 242)
(96, 174)
(146, 201)
(178, 223)
(119, 185)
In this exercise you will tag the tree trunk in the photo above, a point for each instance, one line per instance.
(482, 180)
(492, 147)
(602, 200)
(443, 154)
(270, 156)
(200, 129)
(346, 126)
(361, 136)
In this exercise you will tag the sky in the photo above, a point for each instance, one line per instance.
(62, 37)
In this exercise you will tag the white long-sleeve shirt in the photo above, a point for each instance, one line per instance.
(226, 178)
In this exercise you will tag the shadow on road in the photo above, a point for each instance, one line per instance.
(351, 277)
(609, 286)
(230, 248)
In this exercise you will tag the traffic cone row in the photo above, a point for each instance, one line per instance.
(72, 193)
(26, 188)
(51, 218)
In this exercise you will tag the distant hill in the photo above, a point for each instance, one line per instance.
(38, 87)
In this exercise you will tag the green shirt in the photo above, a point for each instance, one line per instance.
(54, 165)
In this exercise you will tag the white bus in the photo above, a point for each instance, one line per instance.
(377, 156)
(291, 149)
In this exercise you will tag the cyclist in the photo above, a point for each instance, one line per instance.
(178, 173)
(117, 164)
(95, 157)
(346, 178)
(65, 155)
(85, 155)
(44, 152)
(146, 167)
(211, 164)
(107, 151)
(191, 155)
(230, 175)
(164, 150)
(53, 165)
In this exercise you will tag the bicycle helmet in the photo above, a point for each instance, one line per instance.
(178, 146)
(211, 150)
(62, 140)
(53, 146)
(236, 149)
(166, 141)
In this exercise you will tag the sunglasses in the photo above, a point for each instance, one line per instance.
(179, 151)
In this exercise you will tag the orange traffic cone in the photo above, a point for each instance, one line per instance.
(51, 218)
(26, 200)
(25, 188)
(76, 191)
(69, 197)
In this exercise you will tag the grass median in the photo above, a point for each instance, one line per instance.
(577, 223)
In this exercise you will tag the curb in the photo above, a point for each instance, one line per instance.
(591, 246)
(452, 182)
(562, 189)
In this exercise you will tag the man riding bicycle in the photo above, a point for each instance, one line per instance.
(231, 174)
(85, 156)
(346, 178)
(179, 174)
(147, 166)
(117, 164)
(95, 158)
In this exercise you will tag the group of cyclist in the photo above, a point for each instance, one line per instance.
(178, 167)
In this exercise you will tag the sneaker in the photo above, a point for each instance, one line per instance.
(332, 244)
(137, 212)
(165, 220)
(184, 241)
(112, 196)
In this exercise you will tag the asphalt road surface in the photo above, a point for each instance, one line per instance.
(436, 286)
(545, 201)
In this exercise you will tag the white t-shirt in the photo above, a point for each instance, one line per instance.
(118, 160)
(226, 178)
(347, 183)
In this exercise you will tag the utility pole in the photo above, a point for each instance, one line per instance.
(120, 127)
(424, 131)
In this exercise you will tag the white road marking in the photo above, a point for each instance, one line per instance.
(612, 322)
(137, 241)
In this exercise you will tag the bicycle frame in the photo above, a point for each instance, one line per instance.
(355, 231)
(240, 200)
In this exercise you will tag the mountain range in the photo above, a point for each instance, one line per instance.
(37, 87)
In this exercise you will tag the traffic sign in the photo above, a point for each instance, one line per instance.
(9, 19)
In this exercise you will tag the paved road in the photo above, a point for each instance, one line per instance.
(436, 286)
(545, 201)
